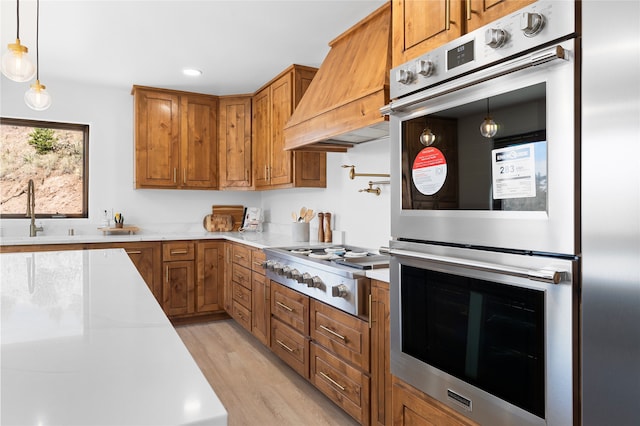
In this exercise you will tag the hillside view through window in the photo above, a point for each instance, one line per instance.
(55, 156)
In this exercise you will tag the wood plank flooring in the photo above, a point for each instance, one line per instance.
(254, 385)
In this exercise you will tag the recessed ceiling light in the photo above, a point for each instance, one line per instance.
(192, 72)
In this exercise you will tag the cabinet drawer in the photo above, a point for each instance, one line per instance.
(291, 346)
(241, 275)
(242, 255)
(341, 333)
(290, 307)
(241, 314)
(257, 259)
(242, 295)
(179, 250)
(345, 385)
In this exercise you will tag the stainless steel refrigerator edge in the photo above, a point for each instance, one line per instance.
(610, 212)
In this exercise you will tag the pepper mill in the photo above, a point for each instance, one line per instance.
(320, 227)
(328, 237)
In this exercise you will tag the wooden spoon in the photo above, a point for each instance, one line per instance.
(303, 212)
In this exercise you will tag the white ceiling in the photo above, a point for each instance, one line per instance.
(239, 45)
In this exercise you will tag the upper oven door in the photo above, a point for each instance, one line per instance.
(456, 181)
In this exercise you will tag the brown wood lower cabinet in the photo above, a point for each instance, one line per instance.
(414, 408)
(381, 412)
(260, 299)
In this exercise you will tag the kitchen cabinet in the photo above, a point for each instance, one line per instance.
(381, 412)
(272, 105)
(193, 282)
(260, 299)
(241, 285)
(210, 276)
(339, 359)
(290, 327)
(414, 408)
(228, 283)
(178, 289)
(419, 26)
(234, 141)
(175, 139)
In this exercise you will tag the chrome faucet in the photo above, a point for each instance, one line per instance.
(31, 209)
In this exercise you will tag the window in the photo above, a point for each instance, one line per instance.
(55, 156)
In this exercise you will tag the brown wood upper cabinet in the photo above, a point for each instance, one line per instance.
(273, 104)
(420, 26)
(234, 140)
(175, 139)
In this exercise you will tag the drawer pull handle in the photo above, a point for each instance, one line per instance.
(134, 252)
(328, 330)
(257, 263)
(285, 346)
(282, 305)
(178, 252)
(333, 382)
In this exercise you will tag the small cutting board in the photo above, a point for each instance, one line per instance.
(218, 222)
(236, 212)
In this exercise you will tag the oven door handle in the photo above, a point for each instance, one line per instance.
(539, 57)
(546, 275)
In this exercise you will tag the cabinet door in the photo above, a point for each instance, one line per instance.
(380, 355)
(234, 140)
(422, 25)
(482, 12)
(210, 282)
(260, 308)
(228, 282)
(414, 408)
(178, 288)
(157, 138)
(281, 171)
(261, 137)
(147, 257)
(199, 167)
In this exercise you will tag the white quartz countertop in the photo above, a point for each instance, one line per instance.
(84, 342)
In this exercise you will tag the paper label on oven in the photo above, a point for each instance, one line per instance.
(514, 172)
(429, 171)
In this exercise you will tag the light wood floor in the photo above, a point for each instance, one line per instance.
(254, 385)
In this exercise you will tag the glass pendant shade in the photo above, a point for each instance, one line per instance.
(488, 128)
(427, 137)
(16, 64)
(37, 97)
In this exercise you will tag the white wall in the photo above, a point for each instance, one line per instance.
(109, 112)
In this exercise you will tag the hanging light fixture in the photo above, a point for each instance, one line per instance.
(37, 96)
(16, 65)
(488, 128)
(427, 137)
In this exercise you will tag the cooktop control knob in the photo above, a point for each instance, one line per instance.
(277, 268)
(404, 76)
(531, 23)
(285, 271)
(315, 282)
(340, 290)
(424, 67)
(495, 37)
(293, 273)
(305, 279)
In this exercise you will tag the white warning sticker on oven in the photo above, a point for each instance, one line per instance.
(514, 172)
(429, 170)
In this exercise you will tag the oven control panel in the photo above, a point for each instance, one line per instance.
(534, 26)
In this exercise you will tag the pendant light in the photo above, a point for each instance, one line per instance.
(488, 128)
(16, 65)
(37, 96)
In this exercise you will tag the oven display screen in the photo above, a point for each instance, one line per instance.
(460, 55)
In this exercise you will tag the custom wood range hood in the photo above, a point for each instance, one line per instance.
(342, 105)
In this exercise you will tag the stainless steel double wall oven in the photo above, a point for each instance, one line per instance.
(485, 220)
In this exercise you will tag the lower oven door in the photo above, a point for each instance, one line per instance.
(489, 334)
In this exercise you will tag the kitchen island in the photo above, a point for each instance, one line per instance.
(84, 342)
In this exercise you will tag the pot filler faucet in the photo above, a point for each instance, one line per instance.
(31, 209)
